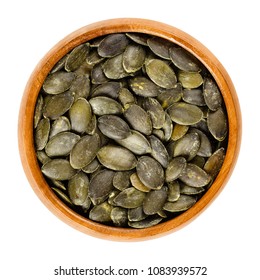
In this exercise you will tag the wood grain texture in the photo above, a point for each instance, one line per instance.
(25, 126)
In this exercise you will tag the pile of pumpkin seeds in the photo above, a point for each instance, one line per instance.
(130, 130)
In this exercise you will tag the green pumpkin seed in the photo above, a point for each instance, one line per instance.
(185, 114)
(147, 222)
(190, 79)
(103, 105)
(133, 58)
(119, 216)
(58, 82)
(161, 73)
(80, 87)
(112, 45)
(38, 110)
(173, 191)
(113, 68)
(61, 124)
(97, 74)
(76, 57)
(113, 127)
(58, 105)
(194, 176)
(59, 65)
(62, 195)
(101, 185)
(187, 146)
(159, 151)
(191, 190)
(179, 131)
(136, 182)
(42, 134)
(217, 124)
(116, 158)
(136, 143)
(136, 214)
(183, 203)
(84, 151)
(126, 97)
(109, 89)
(143, 87)
(59, 184)
(101, 212)
(42, 156)
(212, 94)
(214, 162)
(193, 96)
(175, 168)
(80, 115)
(58, 169)
(159, 46)
(150, 172)
(91, 167)
(121, 180)
(61, 144)
(205, 149)
(78, 187)
(167, 128)
(169, 96)
(139, 38)
(184, 60)
(93, 57)
(154, 201)
(130, 198)
(138, 119)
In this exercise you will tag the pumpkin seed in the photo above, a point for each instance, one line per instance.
(61, 124)
(143, 87)
(161, 73)
(113, 127)
(116, 158)
(38, 110)
(61, 144)
(109, 89)
(84, 151)
(175, 168)
(62, 195)
(154, 201)
(91, 167)
(184, 60)
(139, 38)
(150, 172)
(121, 180)
(193, 96)
(214, 162)
(103, 105)
(112, 45)
(147, 222)
(159, 151)
(159, 46)
(42, 134)
(169, 96)
(101, 212)
(217, 124)
(183, 203)
(119, 216)
(76, 57)
(78, 188)
(133, 58)
(136, 214)
(138, 119)
(80, 87)
(130, 198)
(179, 131)
(42, 156)
(185, 114)
(136, 182)
(58, 82)
(190, 79)
(190, 190)
(205, 149)
(58, 169)
(126, 97)
(97, 74)
(113, 68)
(173, 191)
(194, 176)
(101, 185)
(212, 94)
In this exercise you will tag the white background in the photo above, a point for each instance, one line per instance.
(224, 238)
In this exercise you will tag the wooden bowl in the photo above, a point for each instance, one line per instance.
(25, 132)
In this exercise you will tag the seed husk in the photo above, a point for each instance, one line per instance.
(84, 151)
(58, 82)
(138, 119)
(175, 168)
(112, 45)
(113, 127)
(211, 94)
(42, 134)
(184, 60)
(136, 143)
(150, 172)
(190, 79)
(101, 185)
(183, 203)
(80, 115)
(217, 124)
(185, 114)
(101, 212)
(76, 57)
(194, 176)
(103, 105)
(58, 105)
(161, 73)
(130, 198)
(58, 169)
(116, 158)
(61, 144)
(78, 187)
(133, 58)
(143, 87)
(154, 201)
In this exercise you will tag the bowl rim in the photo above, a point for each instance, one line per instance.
(25, 126)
